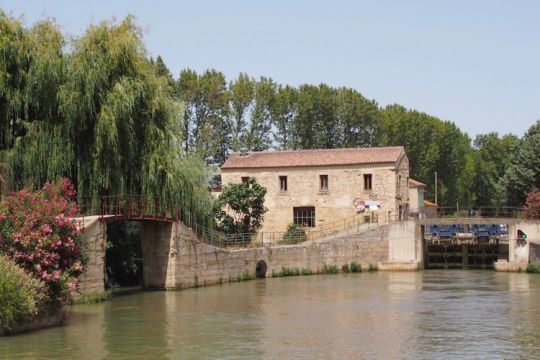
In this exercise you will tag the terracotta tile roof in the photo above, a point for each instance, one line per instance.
(318, 157)
(414, 183)
(429, 204)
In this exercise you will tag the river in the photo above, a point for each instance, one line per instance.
(431, 314)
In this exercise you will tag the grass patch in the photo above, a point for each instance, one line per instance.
(329, 269)
(345, 268)
(286, 271)
(244, 276)
(356, 267)
(307, 271)
(533, 268)
(373, 267)
(93, 297)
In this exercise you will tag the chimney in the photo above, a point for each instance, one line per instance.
(243, 151)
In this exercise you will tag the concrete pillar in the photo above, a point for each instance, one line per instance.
(158, 243)
(95, 233)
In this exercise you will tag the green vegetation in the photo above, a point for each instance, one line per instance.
(532, 206)
(244, 276)
(373, 267)
(345, 268)
(93, 298)
(22, 297)
(286, 271)
(307, 271)
(329, 269)
(356, 267)
(95, 110)
(240, 208)
(295, 234)
(533, 268)
(98, 110)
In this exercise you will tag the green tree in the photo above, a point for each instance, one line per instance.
(211, 131)
(283, 112)
(492, 156)
(98, 114)
(358, 118)
(523, 175)
(162, 70)
(258, 134)
(432, 145)
(315, 124)
(186, 89)
(240, 208)
(15, 57)
(242, 92)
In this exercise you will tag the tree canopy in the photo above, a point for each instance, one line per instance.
(99, 112)
(240, 207)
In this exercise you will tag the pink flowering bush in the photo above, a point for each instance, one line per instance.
(37, 232)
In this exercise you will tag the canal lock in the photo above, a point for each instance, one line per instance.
(464, 246)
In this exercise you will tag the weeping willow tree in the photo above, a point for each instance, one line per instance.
(13, 69)
(98, 114)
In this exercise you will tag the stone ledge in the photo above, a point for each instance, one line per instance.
(399, 266)
(505, 266)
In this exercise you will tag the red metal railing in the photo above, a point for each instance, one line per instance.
(131, 207)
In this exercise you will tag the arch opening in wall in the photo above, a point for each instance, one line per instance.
(260, 270)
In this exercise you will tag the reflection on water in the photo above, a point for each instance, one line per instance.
(435, 314)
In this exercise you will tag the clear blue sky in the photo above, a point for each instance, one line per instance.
(475, 63)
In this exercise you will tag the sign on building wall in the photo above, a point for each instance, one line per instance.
(360, 206)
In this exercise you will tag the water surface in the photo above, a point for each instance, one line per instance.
(430, 314)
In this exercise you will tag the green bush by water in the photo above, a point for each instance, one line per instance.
(294, 235)
(533, 268)
(329, 269)
(286, 271)
(373, 267)
(345, 268)
(244, 276)
(356, 267)
(307, 271)
(22, 297)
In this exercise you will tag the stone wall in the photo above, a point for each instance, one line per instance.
(197, 264)
(174, 258)
(345, 187)
(95, 233)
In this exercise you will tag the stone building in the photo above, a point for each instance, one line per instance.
(317, 187)
(416, 199)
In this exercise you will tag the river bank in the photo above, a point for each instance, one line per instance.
(445, 314)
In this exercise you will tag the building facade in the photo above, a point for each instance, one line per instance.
(416, 199)
(317, 187)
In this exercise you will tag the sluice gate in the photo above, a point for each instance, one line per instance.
(464, 246)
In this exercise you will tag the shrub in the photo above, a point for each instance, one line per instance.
(307, 271)
(532, 206)
(286, 271)
(533, 268)
(329, 269)
(294, 235)
(356, 267)
(373, 267)
(36, 232)
(345, 268)
(22, 297)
